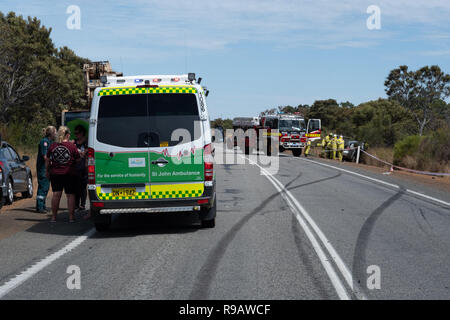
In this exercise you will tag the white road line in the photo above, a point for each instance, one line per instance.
(379, 181)
(301, 214)
(428, 197)
(34, 269)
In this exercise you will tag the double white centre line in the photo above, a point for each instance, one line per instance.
(322, 246)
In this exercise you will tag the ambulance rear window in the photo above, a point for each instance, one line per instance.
(173, 116)
(147, 120)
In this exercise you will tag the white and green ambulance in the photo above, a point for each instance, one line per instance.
(150, 148)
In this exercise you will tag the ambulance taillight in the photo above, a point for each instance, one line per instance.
(91, 166)
(208, 161)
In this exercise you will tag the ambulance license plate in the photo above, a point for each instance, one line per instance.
(123, 192)
(295, 144)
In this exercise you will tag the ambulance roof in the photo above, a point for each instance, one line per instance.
(154, 79)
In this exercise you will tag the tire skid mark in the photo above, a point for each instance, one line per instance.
(207, 273)
(360, 254)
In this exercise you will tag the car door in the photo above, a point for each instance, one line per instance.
(18, 169)
(121, 144)
(176, 153)
(314, 129)
(5, 158)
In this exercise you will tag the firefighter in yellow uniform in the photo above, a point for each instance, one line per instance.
(308, 147)
(333, 147)
(340, 147)
(330, 147)
(325, 143)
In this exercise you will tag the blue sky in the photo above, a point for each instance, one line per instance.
(256, 54)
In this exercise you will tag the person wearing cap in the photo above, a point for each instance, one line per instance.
(340, 147)
(43, 182)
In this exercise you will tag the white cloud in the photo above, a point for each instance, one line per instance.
(214, 25)
(436, 52)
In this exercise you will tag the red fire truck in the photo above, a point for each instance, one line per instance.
(292, 131)
(289, 130)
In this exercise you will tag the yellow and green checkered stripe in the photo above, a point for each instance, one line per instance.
(134, 90)
(138, 196)
(165, 191)
(160, 191)
(121, 91)
(172, 90)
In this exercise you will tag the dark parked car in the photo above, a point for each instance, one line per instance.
(15, 176)
(350, 149)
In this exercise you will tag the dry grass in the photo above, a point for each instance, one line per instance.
(387, 154)
(436, 166)
(383, 153)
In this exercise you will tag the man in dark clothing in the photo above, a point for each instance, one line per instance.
(43, 182)
(82, 180)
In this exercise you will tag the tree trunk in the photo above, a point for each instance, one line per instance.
(422, 125)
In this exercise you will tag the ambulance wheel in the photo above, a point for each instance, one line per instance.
(208, 216)
(281, 149)
(102, 222)
(102, 227)
(297, 152)
(208, 223)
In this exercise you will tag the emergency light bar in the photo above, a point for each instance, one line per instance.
(149, 79)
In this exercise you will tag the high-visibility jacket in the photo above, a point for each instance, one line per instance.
(333, 144)
(340, 144)
(308, 147)
(325, 141)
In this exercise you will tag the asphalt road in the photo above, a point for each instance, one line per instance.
(316, 232)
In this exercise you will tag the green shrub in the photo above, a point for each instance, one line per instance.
(428, 153)
(406, 147)
(23, 135)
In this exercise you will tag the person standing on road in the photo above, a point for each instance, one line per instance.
(308, 147)
(61, 170)
(43, 183)
(340, 146)
(81, 144)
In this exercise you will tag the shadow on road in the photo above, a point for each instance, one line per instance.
(130, 225)
(125, 225)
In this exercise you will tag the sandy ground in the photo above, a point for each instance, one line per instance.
(21, 215)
